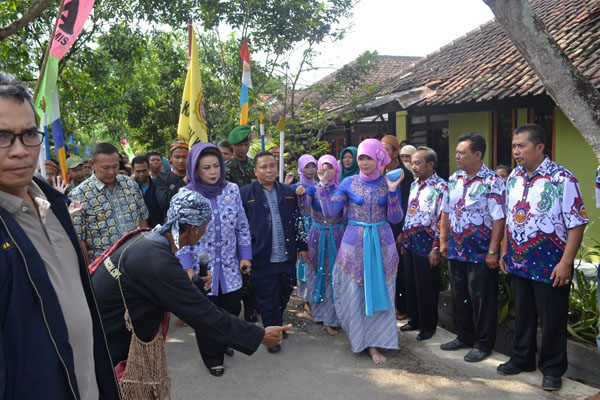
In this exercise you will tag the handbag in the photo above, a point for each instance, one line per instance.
(146, 374)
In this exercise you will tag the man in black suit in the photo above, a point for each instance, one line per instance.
(278, 237)
(141, 169)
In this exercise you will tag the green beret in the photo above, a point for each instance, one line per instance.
(239, 134)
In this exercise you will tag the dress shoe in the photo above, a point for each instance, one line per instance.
(216, 371)
(408, 327)
(274, 349)
(228, 351)
(456, 344)
(476, 355)
(284, 334)
(551, 383)
(509, 368)
(425, 335)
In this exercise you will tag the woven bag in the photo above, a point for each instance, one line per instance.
(146, 374)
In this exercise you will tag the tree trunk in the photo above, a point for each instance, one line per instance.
(22, 22)
(570, 90)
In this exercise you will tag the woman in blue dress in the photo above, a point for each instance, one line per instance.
(364, 275)
(324, 239)
(226, 241)
(307, 170)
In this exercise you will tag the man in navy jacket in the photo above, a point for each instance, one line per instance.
(278, 237)
(52, 345)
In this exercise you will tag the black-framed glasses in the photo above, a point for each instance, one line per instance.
(28, 138)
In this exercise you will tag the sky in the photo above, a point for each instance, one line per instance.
(399, 28)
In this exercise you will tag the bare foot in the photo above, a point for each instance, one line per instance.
(594, 397)
(331, 330)
(376, 356)
(180, 323)
(307, 308)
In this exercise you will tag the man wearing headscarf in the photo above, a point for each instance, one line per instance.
(153, 283)
(169, 181)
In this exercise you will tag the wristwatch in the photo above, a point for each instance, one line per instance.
(492, 252)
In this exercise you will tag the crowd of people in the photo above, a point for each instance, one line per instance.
(362, 238)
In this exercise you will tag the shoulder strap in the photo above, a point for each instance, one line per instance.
(128, 323)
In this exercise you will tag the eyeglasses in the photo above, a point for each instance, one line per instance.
(28, 138)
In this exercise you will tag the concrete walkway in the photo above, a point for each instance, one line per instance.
(313, 365)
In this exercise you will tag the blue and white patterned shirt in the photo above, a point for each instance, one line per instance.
(107, 214)
(422, 221)
(472, 207)
(278, 253)
(539, 213)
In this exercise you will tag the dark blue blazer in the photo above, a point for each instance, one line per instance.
(259, 218)
(36, 360)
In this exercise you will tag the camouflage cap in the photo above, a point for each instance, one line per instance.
(75, 161)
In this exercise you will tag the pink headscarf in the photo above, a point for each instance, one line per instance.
(374, 149)
(327, 159)
(303, 161)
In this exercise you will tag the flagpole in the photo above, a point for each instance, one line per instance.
(47, 53)
(44, 151)
(281, 125)
(189, 38)
(261, 119)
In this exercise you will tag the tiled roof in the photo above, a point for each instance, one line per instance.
(484, 65)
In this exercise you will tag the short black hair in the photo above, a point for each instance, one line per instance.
(153, 153)
(504, 167)
(104, 148)
(477, 142)
(225, 143)
(12, 88)
(262, 154)
(140, 160)
(537, 134)
(430, 155)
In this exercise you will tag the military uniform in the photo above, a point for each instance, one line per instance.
(240, 172)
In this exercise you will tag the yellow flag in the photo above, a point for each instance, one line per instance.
(192, 118)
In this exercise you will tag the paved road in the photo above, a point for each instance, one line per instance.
(313, 365)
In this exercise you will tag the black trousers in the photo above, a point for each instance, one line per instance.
(533, 301)
(400, 299)
(273, 285)
(212, 352)
(475, 296)
(422, 291)
(247, 297)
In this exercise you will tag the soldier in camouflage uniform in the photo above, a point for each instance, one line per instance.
(240, 170)
(240, 167)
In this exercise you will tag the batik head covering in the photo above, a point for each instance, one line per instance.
(353, 170)
(198, 151)
(328, 159)
(178, 144)
(187, 207)
(374, 149)
(303, 161)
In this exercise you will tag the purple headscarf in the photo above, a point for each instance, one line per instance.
(303, 161)
(374, 149)
(195, 184)
(327, 159)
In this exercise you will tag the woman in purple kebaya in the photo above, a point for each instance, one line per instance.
(226, 241)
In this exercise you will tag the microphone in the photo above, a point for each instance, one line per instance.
(203, 261)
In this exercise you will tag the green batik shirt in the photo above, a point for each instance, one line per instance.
(240, 172)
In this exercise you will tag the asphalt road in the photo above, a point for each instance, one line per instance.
(314, 365)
